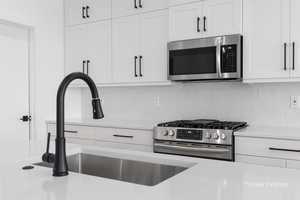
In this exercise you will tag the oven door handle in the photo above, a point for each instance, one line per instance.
(202, 149)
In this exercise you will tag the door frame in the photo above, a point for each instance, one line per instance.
(31, 74)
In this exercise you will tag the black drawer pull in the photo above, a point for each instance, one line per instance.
(281, 149)
(135, 70)
(83, 12)
(204, 24)
(87, 12)
(140, 4)
(293, 55)
(135, 6)
(66, 131)
(284, 61)
(140, 62)
(198, 24)
(123, 136)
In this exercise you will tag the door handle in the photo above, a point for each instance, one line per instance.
(87, 11)
(87, 66)
(284, 57)
(140, 4)
(293, 55)
(123, 136)
(281, 149)
(25, 118)
(135, 60)
(198, 24)
(83, 66)
(204, 24)
(135, 5)
(83, 12)
(140, 62)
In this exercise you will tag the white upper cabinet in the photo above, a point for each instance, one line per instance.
(86, 11)
(125, 43)
(139, 52)
(130, 7)
(222, 17)
(153, 46)
(185, 21)
(88, 50)
(205, 18)
(295, 38)
(266, 39)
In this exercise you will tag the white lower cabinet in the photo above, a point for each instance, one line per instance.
(120, 138)
(268, 152)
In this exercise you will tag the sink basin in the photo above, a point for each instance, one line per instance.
(132, 171)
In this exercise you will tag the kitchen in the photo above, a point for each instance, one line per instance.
(125, 47)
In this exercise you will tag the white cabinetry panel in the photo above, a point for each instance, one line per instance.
(293, 164)
(266, 29)
(153, 46)
(261, 161)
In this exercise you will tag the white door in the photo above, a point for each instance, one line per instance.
(125, 7)
(185, 21)
(74, 13)
(98, 44)
(266, 29)
(222, 17)
(98, 10)
(295, 38)
(14, 87)
(125, 43)
(154, 46)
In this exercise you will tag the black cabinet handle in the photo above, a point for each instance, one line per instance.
(87, 12)
(87, 66)
(66, 131)
(204, 24)
(284, 62)
(83, 12)
(140, 4)
(123, 136)
(293, 55)
(83, 66)
(281, 149)
(135, 60)
(135, 5)
(140, 62)
(198, 24)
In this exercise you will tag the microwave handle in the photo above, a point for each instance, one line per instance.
(218, 60)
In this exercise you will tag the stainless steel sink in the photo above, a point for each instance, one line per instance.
(138, 172)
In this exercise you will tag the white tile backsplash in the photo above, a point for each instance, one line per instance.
(258, 104)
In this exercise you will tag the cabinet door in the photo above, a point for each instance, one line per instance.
(75, 47)
(295, 38)
(153, 46)
(184, 21)
(98, 10)
(222, 17)
(266, 29)
(98, 49)
(265, 161)
(125, 40)
(149, 5)
(124, 7)
(74, 12)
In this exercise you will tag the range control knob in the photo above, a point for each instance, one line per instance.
(216, 136)
(223, 136)
(166, 133)
(171, 132)
(207, 135)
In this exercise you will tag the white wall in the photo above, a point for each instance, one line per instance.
(46, 19)
(258, 104)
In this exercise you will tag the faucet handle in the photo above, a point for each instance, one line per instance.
(48, 157)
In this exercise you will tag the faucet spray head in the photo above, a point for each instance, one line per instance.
(97, 109)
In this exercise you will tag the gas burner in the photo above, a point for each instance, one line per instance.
(205, 124)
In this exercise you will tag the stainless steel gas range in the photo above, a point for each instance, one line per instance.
(199, 138)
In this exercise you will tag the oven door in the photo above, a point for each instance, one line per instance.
(197, 59)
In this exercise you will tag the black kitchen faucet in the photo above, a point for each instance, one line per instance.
(60, 167)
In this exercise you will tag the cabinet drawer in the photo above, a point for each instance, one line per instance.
(293, 164)
(276, 148)
(124, 136)
(72, 131)
(273, 162)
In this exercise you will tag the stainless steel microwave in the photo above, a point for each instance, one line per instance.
(214, 58)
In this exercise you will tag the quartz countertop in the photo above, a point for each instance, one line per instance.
(206, 179)
(112, 123)
(289, 133)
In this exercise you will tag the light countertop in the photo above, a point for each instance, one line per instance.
(207, 179)
(112, 123)
(289, 133)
